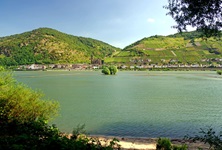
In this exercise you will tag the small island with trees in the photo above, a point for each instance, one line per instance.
(111, 70)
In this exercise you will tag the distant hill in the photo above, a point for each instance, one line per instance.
(45, 45)
(49, 46)
(185, 48)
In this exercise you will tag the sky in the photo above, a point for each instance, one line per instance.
(116, 22)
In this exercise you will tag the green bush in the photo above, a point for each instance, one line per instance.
(179, 147)
(106, 71)
(40, 136)
(111, 70)
(163, 144)
(23, 121)
(21, 104)
(219, 72)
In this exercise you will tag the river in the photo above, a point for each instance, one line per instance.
(137, 104)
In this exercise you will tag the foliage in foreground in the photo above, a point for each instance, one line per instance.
(165, 144)
(38, 135)
(21, 104)
(205, 15)
(23, 121)
(208, 136)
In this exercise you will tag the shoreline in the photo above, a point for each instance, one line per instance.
(142, 70)
(147, 143)
(136, 143)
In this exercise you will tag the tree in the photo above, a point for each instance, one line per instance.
(106, 71)
(111, 70)
(205, 15)
(219, 72)
(20, 104)
(23, 114)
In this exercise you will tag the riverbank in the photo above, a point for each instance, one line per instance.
(131, 143)
(136, 69)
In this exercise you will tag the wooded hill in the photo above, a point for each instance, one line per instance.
(49, 46)
(45, 45)
(185, 48)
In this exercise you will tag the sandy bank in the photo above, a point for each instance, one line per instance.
(130, 143)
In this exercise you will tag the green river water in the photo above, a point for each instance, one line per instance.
(137, 104)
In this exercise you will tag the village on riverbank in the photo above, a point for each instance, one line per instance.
(120, 66)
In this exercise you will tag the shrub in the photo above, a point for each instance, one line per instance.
(111, 70)
(210, 137)
(106, 71)
(219, 72)
(163, 144)
(21, 104)
(179, 147)
(23, 121)
(41, 136)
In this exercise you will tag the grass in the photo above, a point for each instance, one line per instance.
(117, 60)
(157, 48)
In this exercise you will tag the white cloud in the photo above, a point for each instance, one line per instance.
(150, 20)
